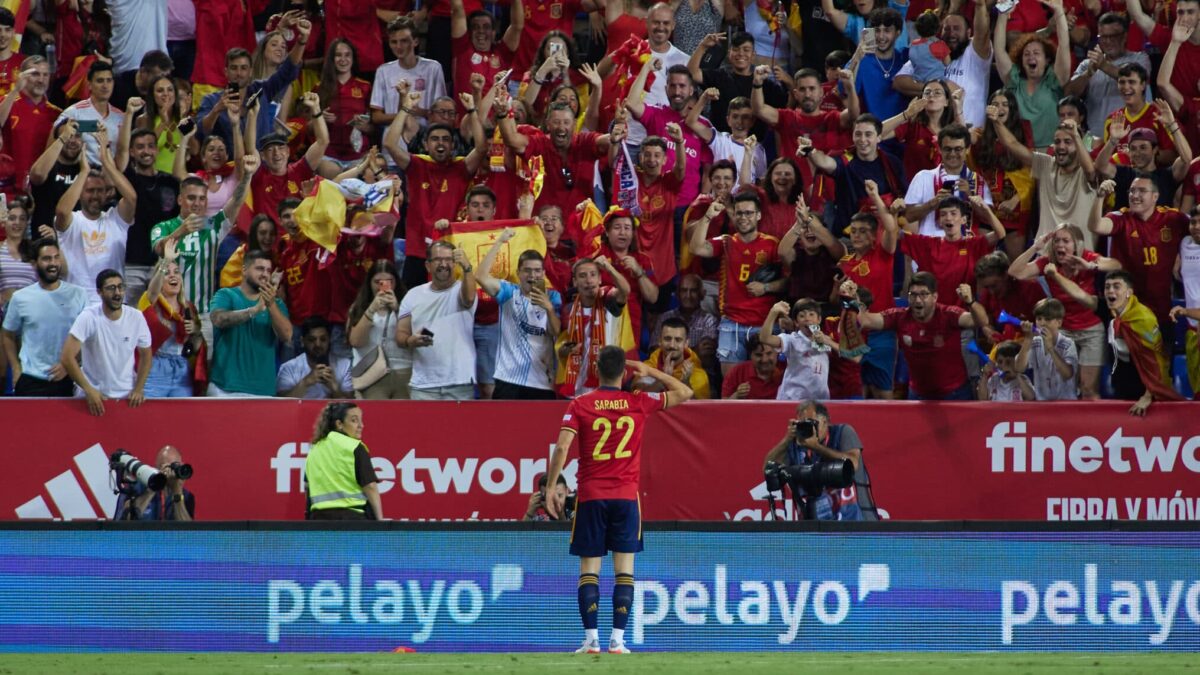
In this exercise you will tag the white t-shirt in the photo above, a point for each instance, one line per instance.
(85, 111)
(383, 332)
(426, 77)
(924, 186)
(1189, 271)
(1000, 389)
(109, 347)
(807, 374)
(724, 147)
(138, 26)
(450, 360)
(970, 72)
(526, 353)
(1047, 383)
(1103, 98)
(291, 372)
(92, 246)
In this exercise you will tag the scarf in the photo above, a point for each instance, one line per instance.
(1138, 327)
(159, 334)
(581, 329)
(851, 342)
(627, 182)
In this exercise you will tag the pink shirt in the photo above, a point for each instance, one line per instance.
(655, 119)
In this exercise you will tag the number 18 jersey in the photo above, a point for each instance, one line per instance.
(609, 425)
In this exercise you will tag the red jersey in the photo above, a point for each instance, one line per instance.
(845, 375)
(656, 226)
(25, 132)
(541, 18)
(306, 268)
(267, 190)
(1147, 249)
(759, 390)
(933, 349)
(568, 182)
(1191, 181)
(873, 272)
(951, 262)
(355, 21)
(1020, 300)
(1186, 75)
(610, 423)
(221, 25)
(823, 128)
(10, 68)
(435, 191)
(1147, 118)
(1077, 316)
(921, 149)
(468, 61)
(634, 301)
(741, 260)
(441, 8)
(349, 272)
(350, 99)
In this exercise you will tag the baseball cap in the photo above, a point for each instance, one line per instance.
(271, 139)
(1143, 135)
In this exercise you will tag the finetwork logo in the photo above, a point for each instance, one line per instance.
(67, 493)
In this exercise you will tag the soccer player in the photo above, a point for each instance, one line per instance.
(608, 518)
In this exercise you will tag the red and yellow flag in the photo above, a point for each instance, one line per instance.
(477, 238)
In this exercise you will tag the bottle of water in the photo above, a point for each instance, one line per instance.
(52, 57)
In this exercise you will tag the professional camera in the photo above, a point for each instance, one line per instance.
(121, 461)
(569, 506)
(803, 429)
(809, 478)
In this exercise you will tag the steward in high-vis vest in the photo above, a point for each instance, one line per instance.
(341, 481)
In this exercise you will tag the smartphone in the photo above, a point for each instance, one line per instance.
(426, 332)
(88, 126)
(555, 47)
(233, 87)
(186, 126)
(1004, 6)
(249, 103)
(868, 40)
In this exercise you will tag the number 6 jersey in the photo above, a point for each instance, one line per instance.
(609, 423)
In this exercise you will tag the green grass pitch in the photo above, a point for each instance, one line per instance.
(656, 663)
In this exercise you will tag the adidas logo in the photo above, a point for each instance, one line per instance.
(71, 501)
(593, 608)
(621, 610)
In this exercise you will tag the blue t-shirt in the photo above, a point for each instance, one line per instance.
(244, 355)
(874, 83)
(526, 353)
(42, 319)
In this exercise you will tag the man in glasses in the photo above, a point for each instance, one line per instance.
(929, 338)
(745, 300)
(108, 335)
(443, 112)
(951, 178)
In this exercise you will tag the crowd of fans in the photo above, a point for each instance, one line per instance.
(799, 200)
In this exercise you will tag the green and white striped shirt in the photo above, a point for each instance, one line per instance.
(197, 258)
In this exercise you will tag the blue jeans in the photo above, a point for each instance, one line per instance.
(731, 341)
(169, 377)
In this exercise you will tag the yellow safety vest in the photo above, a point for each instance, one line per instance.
(329, 470)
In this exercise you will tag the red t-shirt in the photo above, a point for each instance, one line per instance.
(845, 375)
(10, 68)
(656, 226)
(435, 191)
(355, 20)
(221, 25)
(1077, 316)
(1147, 250)
(741, 260)
(352, 98)
(823, 128)
(580, 165)
(267, 190)
(1189, 122)
(307, 270)
(952, 263)
(468, 61)
(1020, 300)
(349, 272)
(441, 8)
(873, 272)
(1187, 62)
(610, 424)
(933, 349)
(759, 390)
(1191, 181)
(921, 149)
(541, 18)
(25, 132)
(777, 217)
(634, 301)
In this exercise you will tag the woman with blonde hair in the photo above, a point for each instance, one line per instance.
(1070, 271)
(340, 480)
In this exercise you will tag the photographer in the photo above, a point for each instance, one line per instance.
(173, 502)
(562, 502)
(811, 439)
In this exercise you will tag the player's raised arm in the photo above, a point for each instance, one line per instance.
(677, 392)
(561, 448)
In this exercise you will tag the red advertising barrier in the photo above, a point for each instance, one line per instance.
(702, 461)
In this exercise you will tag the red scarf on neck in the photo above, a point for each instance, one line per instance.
(582, 329)
(160, 333)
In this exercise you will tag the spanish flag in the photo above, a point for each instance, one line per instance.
(1138, 327)
(584, 227)
(477, 238)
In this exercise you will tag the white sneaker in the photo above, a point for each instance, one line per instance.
(589, 647)
(618, 648)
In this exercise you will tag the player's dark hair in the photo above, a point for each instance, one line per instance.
(924, 279)
(1120, 275)
(963, 206)
(254, 255)
(99, 66)
(530, 254)
(289, 204)
(723, 164)
(610, 364)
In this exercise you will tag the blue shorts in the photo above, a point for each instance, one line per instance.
(879, 364)
(731, 341)
(604, 525)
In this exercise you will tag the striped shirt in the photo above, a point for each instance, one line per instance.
(526, 353)
(197, 258)
(14, 272)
